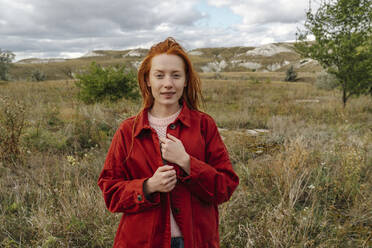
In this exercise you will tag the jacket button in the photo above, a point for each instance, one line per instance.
(176, 210)
(172, 126)
(139, 197)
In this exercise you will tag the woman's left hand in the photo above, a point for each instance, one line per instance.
(173, 151)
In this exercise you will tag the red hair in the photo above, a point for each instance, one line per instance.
(192, 93)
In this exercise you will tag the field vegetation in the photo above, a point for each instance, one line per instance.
(305, 181)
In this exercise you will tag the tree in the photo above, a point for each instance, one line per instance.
(6, 58)
(110, 83)
(343, 43)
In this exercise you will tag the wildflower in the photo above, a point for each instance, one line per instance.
(71, 160)
(311, 186)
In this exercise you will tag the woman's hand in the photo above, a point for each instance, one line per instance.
(173, 151)
(163, 180)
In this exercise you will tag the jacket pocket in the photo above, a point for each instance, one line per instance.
(205, 221)
(136, 229)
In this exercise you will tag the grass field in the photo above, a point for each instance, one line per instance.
(306, 182)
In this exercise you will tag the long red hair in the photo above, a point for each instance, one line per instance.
(192, 93)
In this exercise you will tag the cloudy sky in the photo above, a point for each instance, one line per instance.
(71, 28)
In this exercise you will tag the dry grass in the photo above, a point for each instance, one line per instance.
(305, 183)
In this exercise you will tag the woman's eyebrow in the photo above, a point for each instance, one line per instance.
(162, 71)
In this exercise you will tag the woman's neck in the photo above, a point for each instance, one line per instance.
(164, 111)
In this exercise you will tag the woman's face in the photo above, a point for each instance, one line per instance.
(167, 79)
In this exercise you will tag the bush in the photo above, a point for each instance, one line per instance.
(326, 81)
(43, 140)
(110, 83)
(12, 124)
(291, 75)
(38, 76)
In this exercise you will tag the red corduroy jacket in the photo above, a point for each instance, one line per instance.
(194, 201)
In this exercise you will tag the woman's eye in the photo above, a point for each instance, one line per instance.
(176, 76)
(159, 76)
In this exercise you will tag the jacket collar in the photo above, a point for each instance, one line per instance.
(142, 121)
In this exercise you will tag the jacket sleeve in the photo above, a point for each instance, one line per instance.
(214, 179)
(121, 193)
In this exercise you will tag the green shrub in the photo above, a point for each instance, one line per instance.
(110, 83)
(12, 124)
(255, 80)
(326, 81)
(38, 75)
(291, 75)
(43, 140)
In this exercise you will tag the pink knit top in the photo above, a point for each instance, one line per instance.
(160, 125)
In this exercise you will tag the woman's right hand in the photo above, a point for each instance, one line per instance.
(163, 180)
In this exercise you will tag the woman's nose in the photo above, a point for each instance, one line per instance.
(168, 81)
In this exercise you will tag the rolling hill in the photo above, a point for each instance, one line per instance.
(277, 57)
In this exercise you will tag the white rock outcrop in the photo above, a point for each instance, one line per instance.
(250, 65)
(133, 53)
(214, 66)
(277, 66)
(268, 50)
(304, 62)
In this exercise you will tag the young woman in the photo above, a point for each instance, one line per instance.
(167, 168)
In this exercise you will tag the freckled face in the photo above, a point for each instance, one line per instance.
(167, 79)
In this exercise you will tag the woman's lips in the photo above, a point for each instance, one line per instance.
(168, 94)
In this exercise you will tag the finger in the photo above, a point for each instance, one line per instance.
(171, 180)
(172, 138)
(165, 168)
(172, 184)
(171, 173)
(168, 174)
(162, 140)
(163, 151)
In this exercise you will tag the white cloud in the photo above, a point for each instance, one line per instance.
(67, 28)
(264, 11)
(266, 21)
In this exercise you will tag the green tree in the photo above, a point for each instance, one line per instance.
(110, 83)
(342, 31)
(6, 58)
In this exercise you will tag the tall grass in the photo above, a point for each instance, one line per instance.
(305, 183)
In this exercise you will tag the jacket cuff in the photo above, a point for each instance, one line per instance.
(197, 168)
(153, 198)
(138, 195)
